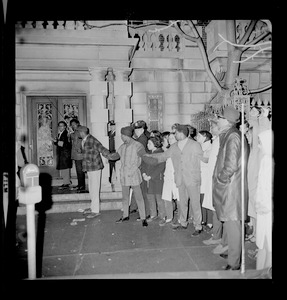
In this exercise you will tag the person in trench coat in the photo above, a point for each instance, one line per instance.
(64, 162)
(227, 184)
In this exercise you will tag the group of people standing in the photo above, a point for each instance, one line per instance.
(82, 147)
(182, 176)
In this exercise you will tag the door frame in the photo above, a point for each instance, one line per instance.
(27, 104)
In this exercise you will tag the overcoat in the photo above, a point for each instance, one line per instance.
(130, 154)
(63, 153)
(227, 176)
(156, 172)
(186, 162)
(143, 139)
(76, 145)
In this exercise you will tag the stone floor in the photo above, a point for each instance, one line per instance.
(101, 248)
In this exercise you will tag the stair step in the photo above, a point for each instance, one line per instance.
(74, 201)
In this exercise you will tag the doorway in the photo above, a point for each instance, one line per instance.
(44, 113)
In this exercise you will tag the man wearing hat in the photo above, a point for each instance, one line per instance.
(93, 165)
(130, 153)
(226, 191)
(186, 155)
(141, 135)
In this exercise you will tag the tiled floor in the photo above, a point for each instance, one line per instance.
(99, 246)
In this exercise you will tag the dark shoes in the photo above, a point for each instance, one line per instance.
(63, 186)
(133, 211)
(121, 220)
(197, 232)
(92, 215)
(206, 228)
(81, 189)
(87, 211)
(230, 268)
(224, 255)
(145, 223)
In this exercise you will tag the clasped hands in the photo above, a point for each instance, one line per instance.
(146, 177)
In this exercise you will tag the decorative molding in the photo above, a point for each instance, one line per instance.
(98, 74)
(155, 111)
(122, 74)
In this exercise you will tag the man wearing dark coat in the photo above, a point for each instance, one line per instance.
(64, 162)
(227, 184)
(77, 155)
(141, 135)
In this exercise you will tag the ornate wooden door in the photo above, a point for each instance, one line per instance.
(44, 113)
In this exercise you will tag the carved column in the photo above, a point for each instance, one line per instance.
(110, 77)
(99, 115)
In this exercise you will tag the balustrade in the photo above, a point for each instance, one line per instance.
(68, 25)
(153, 38)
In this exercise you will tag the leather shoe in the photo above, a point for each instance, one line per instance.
(220, 249)
(63, 186)
(87, 211)
(145, 224)
(197, 232)
(81, 190)
(224, 255)
(230, 268)
(121, 220)
(211, 241)
(133, 211)
(92, 215)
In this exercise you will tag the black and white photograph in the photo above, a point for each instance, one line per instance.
(144, 147)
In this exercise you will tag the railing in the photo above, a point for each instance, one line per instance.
(155, 38)
(152, 38)
(70, 25)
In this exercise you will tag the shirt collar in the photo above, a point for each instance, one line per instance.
(84, 139)
(182, 143)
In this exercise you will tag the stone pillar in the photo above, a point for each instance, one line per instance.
(122, 110)
(99, 116)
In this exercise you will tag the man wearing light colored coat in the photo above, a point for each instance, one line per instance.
(186, 155)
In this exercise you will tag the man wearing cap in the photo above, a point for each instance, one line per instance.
(93, 165)
(227, 183)
(141, 135)
(186, 155)
(130, 153)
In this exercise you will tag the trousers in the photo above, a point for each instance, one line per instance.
(65, 173)
(206, 213)
(233, 231)
(191, 193)
(133, 205)
(94, 182)
(138, 198)
(156, 205)
(80, 173)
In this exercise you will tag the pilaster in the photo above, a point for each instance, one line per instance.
(99, 115)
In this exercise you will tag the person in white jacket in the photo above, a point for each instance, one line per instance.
(263, 202)
(204, 137)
